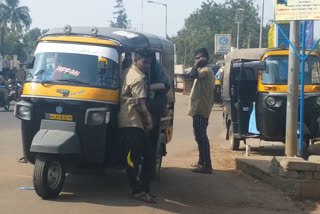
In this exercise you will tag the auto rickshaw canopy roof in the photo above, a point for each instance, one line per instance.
(128, 40)
(252, 54)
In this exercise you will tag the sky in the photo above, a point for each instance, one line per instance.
(48, 14)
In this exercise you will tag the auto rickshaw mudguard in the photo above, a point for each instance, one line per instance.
(56, 137)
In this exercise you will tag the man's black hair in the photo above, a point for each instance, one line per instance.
(142, 53)
(203, 52)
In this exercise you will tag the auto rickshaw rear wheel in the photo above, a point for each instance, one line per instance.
(234, 142)
(305, 152)
(48, 176)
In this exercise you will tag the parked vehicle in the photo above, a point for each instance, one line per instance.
(218, 85)
(15, 90)
(255, 96)
(70, 102)
(3, 104)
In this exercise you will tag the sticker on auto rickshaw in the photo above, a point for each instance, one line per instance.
(63, 117)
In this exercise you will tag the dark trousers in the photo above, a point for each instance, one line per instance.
(138, 159)
(200, 125)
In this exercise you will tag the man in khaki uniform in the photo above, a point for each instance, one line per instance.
(201, 102)
(134, 119)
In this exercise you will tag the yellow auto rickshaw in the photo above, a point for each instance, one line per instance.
(255, 95)
(218, 85)
(70, 102)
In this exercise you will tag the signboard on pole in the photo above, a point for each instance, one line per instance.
(222, 43)
(289, 10)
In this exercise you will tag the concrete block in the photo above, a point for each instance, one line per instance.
(294, 163)
(277, 160)
(307, 175)
(290, 174)
(314, 158)
(316, 176)
(279, 171)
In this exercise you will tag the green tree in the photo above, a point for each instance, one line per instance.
(30, 40)
(13, 16)
(212, 18)
(120, 16)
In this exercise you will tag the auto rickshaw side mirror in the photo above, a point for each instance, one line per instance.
(262, 66)
(102, 65)
(30, 62)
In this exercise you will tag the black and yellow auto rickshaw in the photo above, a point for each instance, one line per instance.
(255, 95)
(70, 102)
(218, 85)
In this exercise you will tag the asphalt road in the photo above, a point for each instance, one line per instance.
(178, 189)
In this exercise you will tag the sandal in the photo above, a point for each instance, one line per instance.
(22, 160)
(142, 196)
(196, 165)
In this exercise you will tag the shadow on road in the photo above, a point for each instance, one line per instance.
(266, 150)
(180, 191)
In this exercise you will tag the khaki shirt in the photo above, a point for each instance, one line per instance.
(133, 88)
(201, 97)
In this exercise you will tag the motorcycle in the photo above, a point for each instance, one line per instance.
(3, 104)
(15, 90)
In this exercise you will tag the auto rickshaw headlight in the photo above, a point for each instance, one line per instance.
(97, 116)
(24, 112)
(271, 101)
(318, 101)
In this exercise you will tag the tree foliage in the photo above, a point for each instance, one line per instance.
(17, 17)
(20, 44)
(120, 16)
(14, 18)
(15, 35)
(218, 18)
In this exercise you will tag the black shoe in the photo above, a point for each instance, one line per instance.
(151, 195)
(203, 169)
(145, 197)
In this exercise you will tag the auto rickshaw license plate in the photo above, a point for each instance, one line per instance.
(58, 117)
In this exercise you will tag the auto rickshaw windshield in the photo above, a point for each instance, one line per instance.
(75, 64)
(276, 72)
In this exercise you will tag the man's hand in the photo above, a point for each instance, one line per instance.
(148, 124)
(199, 62)
(144, 113)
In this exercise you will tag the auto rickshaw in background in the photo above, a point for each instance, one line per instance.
(215, 68)
(255, 96)
(70, 102)
(218, 85)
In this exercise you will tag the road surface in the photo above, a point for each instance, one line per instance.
(178, 189)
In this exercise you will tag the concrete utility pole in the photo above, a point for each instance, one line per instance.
(293, 92)
(261, 24)
(166, 6)
(238, 20)
(142, 17)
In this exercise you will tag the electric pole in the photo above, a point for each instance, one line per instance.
(293, 92)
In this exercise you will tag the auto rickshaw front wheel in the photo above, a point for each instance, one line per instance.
(48, 176)
(234, 142)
